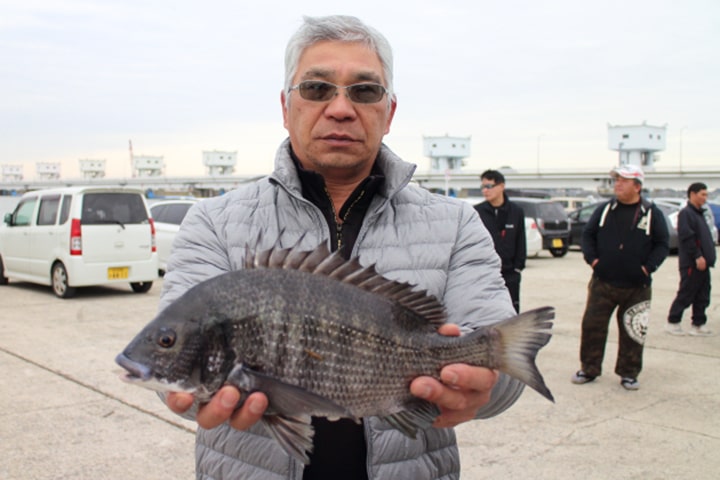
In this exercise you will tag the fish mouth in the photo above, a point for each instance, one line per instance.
(135, 372)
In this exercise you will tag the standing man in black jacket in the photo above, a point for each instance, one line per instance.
(625, 241)
(506, 223)
(696, 254)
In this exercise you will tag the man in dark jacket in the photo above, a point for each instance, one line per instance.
(696, 254)
(506, 223)
(625, 241)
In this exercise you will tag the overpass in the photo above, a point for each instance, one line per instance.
(591, 180)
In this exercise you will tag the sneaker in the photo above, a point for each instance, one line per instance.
(630, 383)
(674, 329)
(581, 377)
(700, 331)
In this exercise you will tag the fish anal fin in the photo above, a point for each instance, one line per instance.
(293, 433)
(420, 415)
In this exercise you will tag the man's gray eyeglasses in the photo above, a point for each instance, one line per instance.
(319, 91)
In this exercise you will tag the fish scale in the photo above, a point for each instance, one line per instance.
(320, 336)
(342, 381)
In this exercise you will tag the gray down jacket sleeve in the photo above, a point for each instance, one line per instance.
(476, 295)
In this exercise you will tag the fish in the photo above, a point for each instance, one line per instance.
(321, 336)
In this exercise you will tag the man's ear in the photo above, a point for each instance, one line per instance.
(284, 108)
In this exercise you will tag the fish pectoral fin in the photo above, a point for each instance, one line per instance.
(294, 434)
(284, 398)
(420, 415)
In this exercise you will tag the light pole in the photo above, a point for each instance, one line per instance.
(537, 159)
(681, 138)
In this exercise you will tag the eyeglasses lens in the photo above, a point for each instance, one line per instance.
(317, 91)
(488, 186)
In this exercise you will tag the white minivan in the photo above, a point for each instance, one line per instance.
(79, 236)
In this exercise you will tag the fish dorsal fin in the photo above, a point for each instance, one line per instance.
(321, 261)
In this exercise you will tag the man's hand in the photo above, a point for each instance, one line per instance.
(701, 263)
(221, 408)
(463, 390)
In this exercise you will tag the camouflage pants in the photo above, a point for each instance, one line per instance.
(633, 313)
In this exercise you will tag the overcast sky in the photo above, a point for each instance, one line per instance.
(80, 78)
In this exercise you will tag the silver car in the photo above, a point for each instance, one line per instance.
(168, 215)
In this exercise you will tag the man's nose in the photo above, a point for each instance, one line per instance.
(340, 105)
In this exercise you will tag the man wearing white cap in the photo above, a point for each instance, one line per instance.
(625, 241)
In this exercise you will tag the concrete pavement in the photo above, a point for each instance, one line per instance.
(65, 415)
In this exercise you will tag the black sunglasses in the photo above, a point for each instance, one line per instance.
(319, 91)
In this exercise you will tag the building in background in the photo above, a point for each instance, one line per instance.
(637, 144)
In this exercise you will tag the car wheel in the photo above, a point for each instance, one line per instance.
(141, 287)
(558, 252)
(3, 278)
(59, 279)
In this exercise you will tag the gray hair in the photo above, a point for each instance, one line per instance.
(340, 28)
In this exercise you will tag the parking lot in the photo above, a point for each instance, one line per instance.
(67, 416)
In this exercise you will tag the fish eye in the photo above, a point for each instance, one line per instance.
(166, 338)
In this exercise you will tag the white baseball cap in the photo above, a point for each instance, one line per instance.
(632, 172)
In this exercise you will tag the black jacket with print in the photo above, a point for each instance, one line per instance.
(622, 250)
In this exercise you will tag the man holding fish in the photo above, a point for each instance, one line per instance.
(336, 184)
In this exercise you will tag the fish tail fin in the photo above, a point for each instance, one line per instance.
(520, 339)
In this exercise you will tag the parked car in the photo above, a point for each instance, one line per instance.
(680, 203)
(79, 236)
(580, 217)
(715, 209)
(573, 203)
(551, 221)
(533, 239)
(168, 215)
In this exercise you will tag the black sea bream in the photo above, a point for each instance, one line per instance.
(321, 336)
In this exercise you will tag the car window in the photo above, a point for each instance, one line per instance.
(157, 212)
(528, 208)
(667, 209)
(176, 212)
(101, 208)
(65, 209)
(22, 216)
(173, 213)
(585, 214)
(48, 210)
(551, 210)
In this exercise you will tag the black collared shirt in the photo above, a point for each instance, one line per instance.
(339, 446)
(352, 213)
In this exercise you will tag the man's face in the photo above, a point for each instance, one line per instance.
(698, 198)
(627, 190)
(337, 136)
(492, 191)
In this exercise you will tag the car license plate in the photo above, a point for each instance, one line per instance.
(557, 242)
(117, 273)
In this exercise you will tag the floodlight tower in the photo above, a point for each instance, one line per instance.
(637, 144)
(91, 168)
(447, 154)
(47, 170)
(220, 163)
(11, 173)
(147, 165)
